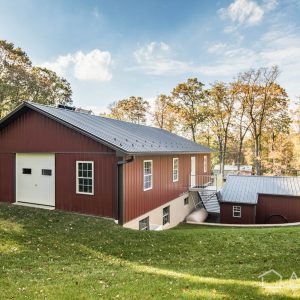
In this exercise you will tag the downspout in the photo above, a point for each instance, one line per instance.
(120, 192)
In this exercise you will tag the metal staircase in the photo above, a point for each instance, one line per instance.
(209, 201)
(196, 200)
(203, 189)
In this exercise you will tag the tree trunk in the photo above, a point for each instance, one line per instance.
(239, 156)
(193, 133)
(257, 155)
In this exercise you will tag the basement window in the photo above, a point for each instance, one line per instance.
(175, 169)
(148, 177)
(26, 171)
(166, 215)
(186, 201)
(46, 172)
(85, 177)
(237, 211)
(144, 224)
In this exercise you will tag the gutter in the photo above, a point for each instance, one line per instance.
(120, 189)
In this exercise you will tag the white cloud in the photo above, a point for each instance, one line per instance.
(217, 48)
(156, 58)
(94, 65)
(60, 65)
(246, 12)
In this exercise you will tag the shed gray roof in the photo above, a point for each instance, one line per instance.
(123, 136)
(245, 189)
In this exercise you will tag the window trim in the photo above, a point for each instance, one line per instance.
(205, 163)
(236, 209)
(151, 187)
(77, 177)
(175, 180)
(168, 207)
(147, 226)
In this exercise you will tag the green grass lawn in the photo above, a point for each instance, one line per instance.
(56, 255)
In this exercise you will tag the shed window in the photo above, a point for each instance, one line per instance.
(26, 171)
(237, 211)
(85, 177)
(166, 215)
(144, 224)
(205, 163)
(175, 169)
(148, 177)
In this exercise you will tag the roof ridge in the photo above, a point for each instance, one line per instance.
(124, 136)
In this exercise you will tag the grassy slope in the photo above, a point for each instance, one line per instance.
(55, 255)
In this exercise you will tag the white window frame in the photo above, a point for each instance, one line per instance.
(205, 163)
(151, 175)
(77, 176)
(175, 179)
(236, 211)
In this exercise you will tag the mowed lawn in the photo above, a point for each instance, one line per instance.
(56, 255)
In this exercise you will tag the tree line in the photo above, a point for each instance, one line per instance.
(247, 121)
(21, 81)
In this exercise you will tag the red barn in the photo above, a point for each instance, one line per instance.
(59, 158)
(260, 200)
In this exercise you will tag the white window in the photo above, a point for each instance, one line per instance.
(237, 211)
(205, 163)
(175, 169)
(144, 224)
(148, 177)
(85, 177)
(166, 215)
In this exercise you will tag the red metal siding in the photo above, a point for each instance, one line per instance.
(103, 202)
(34, 132)
(137, 201)
(247, 214)
(286, 206)
(7, 176)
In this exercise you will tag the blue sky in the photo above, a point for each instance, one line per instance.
(113, 49)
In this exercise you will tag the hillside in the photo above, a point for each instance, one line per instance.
(56, 255)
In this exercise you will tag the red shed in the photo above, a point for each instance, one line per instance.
(260, 200)
(59, 158)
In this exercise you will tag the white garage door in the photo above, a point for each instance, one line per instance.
(35, 179)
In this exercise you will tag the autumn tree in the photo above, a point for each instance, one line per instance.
(190, 105)
(133, 109)
(266, 100)
(20, 81)
(221, 102)
(241, 121)
(164, 116)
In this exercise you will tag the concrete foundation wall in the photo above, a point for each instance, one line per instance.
(178, 212)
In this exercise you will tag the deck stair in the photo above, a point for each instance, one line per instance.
(196, 200)
(209, 201)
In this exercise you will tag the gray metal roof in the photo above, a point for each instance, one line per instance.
(245, 189)
(124, 136)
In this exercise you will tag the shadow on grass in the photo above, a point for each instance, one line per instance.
(67, 255)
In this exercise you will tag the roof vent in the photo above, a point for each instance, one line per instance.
(84, 111)
(66, 107)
